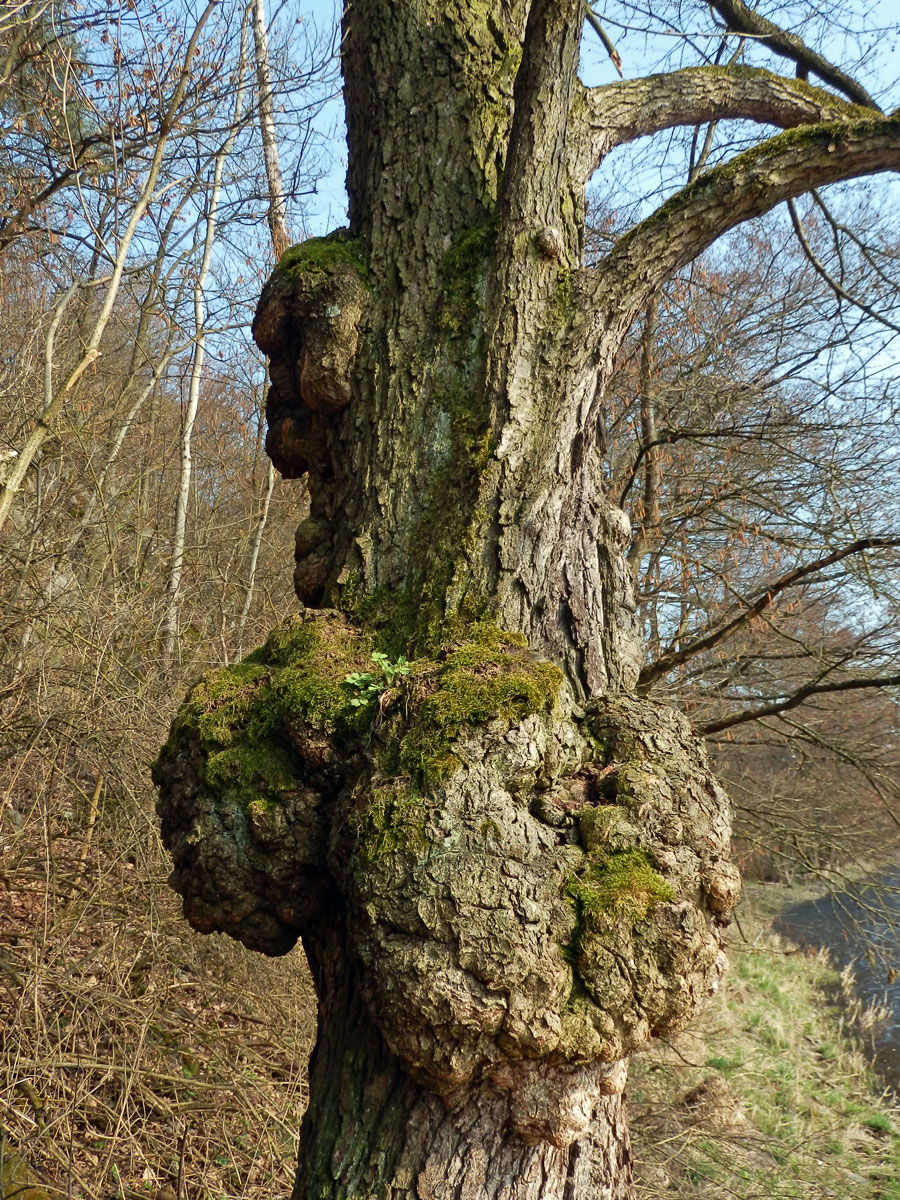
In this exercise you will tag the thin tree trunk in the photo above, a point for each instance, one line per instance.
(176, 567)
(258, 535)
(55, 399)
(280, 242)
(266, 100)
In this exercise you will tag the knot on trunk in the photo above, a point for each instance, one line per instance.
(655, 884)
(255, 760)
(525, 891)
(308, 322)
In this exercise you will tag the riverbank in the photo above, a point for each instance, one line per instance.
(133, 1053)
(769, 1096)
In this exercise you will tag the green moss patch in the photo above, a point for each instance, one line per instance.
(242, 716)
(248, 718)
(392, 820)
(463, 270)
(222, 701)
(622, 884)
(320, 254)
(298, 675)
(492, 674)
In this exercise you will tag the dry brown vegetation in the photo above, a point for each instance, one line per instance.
(136, 1055)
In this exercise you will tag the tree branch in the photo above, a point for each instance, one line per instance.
(596, 25)
(673, 658)
(822, 271)
(743, 20)
(855, 683)
(618, 113)
(752, 183)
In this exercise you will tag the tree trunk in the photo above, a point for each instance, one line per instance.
(508, 873)
(374, 1131)
(417, 364)
(453, 474)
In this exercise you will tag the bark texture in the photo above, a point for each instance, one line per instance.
(497, 911)
(508, 872)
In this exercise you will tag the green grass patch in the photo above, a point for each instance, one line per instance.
(765, 1096)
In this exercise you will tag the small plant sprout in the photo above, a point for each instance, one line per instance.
(368, 686)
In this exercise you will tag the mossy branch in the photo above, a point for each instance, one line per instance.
(742, 19)
(747, 186)
(620, 112)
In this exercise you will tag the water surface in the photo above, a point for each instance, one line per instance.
(861, 929)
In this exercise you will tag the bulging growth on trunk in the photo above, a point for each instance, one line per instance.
(507, 871)
(526, 892)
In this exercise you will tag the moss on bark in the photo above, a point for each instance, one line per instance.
(321, 254)
(622, 884)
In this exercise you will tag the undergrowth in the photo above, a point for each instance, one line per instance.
(135, 1056)
(767, 1096)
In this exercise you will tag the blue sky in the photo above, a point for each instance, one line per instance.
(327, 209)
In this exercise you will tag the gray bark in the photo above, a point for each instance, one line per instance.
(265, 99)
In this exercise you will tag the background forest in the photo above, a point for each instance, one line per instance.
(752, 436)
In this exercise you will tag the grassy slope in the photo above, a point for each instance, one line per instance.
(767, 1097)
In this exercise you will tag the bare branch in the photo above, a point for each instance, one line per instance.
(854, 683)
(594, 22)
(743, 20)
(673, 658)
(820, 269)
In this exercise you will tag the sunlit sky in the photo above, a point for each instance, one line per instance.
(327, 209)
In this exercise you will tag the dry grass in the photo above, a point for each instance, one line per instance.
(768, 1097)
(133, 1053)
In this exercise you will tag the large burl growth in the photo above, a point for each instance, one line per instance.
(531, 890)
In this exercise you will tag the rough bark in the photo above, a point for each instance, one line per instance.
(618, 113)
(376, 1131)
(497, 912)
(508, 872)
